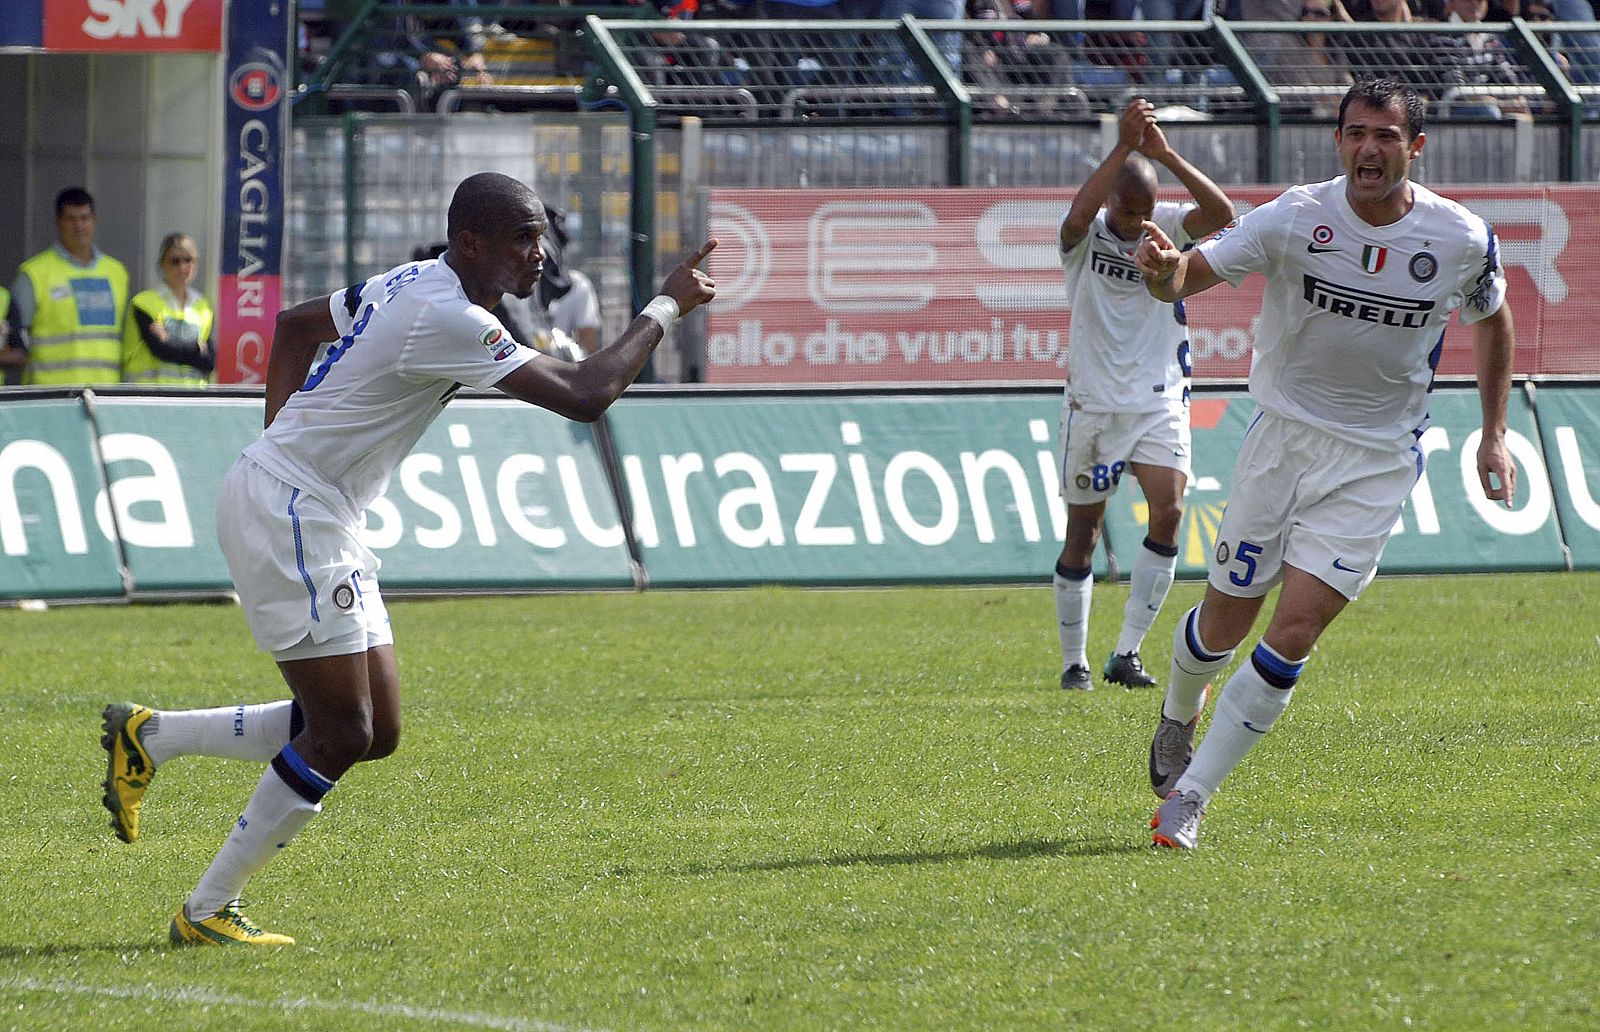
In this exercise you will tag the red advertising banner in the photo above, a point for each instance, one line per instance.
(133, 25)
(940, 285)
(245, 320)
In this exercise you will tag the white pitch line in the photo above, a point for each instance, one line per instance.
(288, 1003)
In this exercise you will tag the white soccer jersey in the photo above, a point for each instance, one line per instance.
(1354, 314)
(577, 309)
(409, 339)
(1127, 352)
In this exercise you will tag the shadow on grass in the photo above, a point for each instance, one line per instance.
(22, 951)
(1027, 849)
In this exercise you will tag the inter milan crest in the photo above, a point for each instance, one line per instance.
(1222, 552)
(344, 596)
(1423, 267)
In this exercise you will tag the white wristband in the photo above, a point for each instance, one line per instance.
(663, 309)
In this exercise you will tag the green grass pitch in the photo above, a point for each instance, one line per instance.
(783, 809)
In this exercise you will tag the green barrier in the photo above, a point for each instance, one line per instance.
(497, 495)
(165, 460)
(1569, 423)
(843, 490)
(52, 545)
(952, 488)
(1449, 526)
(838, 489)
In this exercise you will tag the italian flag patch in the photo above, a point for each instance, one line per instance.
(1372, 258)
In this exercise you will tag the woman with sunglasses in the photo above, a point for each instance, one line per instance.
(166, 337)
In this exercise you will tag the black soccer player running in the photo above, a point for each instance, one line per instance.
(353, 381)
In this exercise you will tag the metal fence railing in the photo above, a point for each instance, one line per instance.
(746, 103)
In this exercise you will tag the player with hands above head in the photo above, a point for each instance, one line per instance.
(1126, 406)
(1363, 274)
(354, 379)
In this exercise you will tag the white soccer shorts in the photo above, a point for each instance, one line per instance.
(1098, 447)
(1308, 498)
(307, 584)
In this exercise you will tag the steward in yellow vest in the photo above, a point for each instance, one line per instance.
(184, 357)
(70, 298)
(12, 355)
(166, 338)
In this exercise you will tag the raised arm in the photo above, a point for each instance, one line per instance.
(298, 336)
(584, 390)
(1171, 274)
(1215, 210)
(1494, 345)
(1136, 118)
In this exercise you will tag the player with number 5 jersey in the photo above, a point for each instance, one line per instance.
(353, 380)
(1364, 273)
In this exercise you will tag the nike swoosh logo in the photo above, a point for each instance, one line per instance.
(1251, 727)
(1314, 249)
(1338, 565)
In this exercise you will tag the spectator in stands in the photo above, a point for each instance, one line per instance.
(1386, 54)
(1582, 48)
(68, 302)
(799, 10)
(1280, 55)
(1467, 60)
(1171, 52)
(1318, 62)
(166, 337)
(1013, 70)
(1536, 12)
(1416, 10)
(949, 43)
(689, 58)
(477, 31)
(1124, 52)
(417, 55)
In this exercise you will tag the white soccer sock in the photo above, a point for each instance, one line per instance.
(276, 813)
(1251, 703)
(1147, 588)
(231, 732)
(1072, 615)
(1192, 667)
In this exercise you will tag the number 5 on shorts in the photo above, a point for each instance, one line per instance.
(1246, 555)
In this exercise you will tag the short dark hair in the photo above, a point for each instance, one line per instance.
(73, 197)
(1381, 93)
(486, 202)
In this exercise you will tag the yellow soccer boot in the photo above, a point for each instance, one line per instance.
(129, 769)
(227, 927)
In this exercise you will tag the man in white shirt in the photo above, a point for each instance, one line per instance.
(353, 381)
(1363, 273)
(1126, 405)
